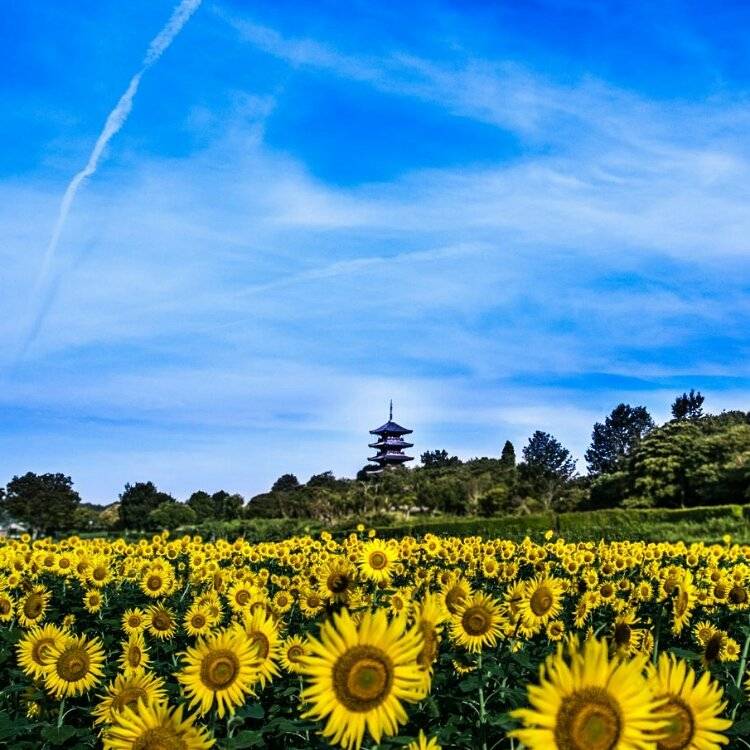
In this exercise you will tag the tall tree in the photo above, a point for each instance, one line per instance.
(45, 503)
(136, 503)
(615, 437)
(438, 459)
(688, 406)
(227, 506)
(508, 455)
(285, 483)
(546, 455)
(202, 505)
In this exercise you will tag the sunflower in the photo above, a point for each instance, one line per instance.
(34, 647)
(429, 616)
(198, 620)
(422, 743)
(32, 608)
(264, 634)
(337, 581)
(160, 621)
(92, 601)
(588, 702)
(154, 727)
(453, 592)
(684, 602)
(692, 707)
(135, 656)
(7, 606)
(359, 675)
(156, 582)
(376, 561)
(134, 621)
(74, 666)
(477, 622)
(310, 603)
(220, 669)
(293, 650)
(541, 601)
(127, 690)
(626, 638)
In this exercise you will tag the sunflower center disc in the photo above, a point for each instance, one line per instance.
(338, 583)
(681, 603)
(128, 697)
(295, 653)
(159, 738)
(476, 621)
(589, 719)
(622, 634)
(541, 601)
(378, 561)
(161, 621)
(219, 669)
(153, 583)
(738, 595)
(261, 641)
(680, 728)
(362, 678)
(32, 607)
(40, 649)
(242, 597)
(73, 664)
(713, 647)
(4, 607)
(134, 656)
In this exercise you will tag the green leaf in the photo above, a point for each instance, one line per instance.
(58, 735)
(246, 738)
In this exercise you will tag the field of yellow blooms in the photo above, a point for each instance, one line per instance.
(182, 644)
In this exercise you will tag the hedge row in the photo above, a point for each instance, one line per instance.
(690, 524)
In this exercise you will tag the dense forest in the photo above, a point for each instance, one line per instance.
(695, 458)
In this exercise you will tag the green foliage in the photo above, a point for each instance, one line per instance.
(614, 438)
(43, 502)
(171, 516)
(136, 503)
(688, 406)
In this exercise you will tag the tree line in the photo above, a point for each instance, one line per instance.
(693, 459)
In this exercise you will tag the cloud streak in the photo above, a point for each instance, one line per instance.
(115, 120)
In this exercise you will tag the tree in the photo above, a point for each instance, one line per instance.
(324, 479)
(45, 503)
(688, 406)
(508, 456)
(202, 505)
(136, 503)
(285, 483)
(438, 459)
(365, 474)
(495, 500)
(227, 506)
(545, 455)
(171, 516)
(615, 437)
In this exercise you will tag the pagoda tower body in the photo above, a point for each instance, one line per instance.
(390, 445)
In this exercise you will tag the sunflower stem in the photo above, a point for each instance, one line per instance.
(743, 663)
(656, 634)
(61, 713)
(481, 702)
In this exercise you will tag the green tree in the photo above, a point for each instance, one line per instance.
(45, 503)
(171, 516)
(495, 500)
(202, 505)
(227, 507)
(613, 439)
(438, 459)
(688, 406)
(544, 455)
(508, 455)
(285, 483)
(136, 503)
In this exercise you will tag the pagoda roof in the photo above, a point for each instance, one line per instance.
(390, 457)
(391, 428)
(391, 443)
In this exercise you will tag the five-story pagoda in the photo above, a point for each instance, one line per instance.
(390, 445)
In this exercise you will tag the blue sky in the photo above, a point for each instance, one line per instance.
(505, 216)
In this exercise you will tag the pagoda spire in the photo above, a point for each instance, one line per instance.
(390, 444)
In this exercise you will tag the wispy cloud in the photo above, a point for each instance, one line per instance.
(115, 120)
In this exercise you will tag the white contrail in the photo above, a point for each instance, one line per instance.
(115, 121)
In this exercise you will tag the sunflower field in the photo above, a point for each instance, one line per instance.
(429, 642)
